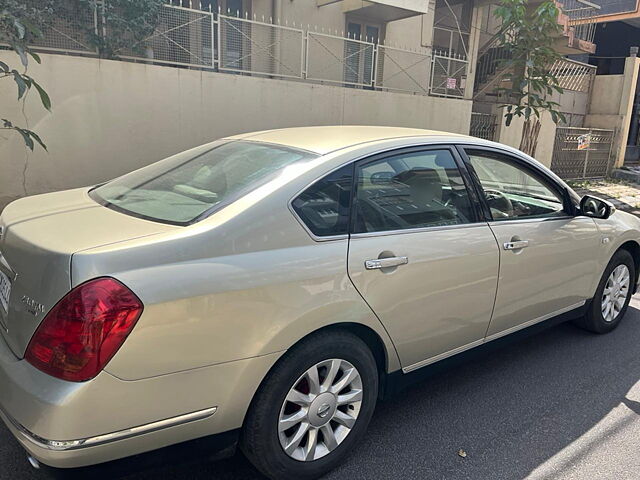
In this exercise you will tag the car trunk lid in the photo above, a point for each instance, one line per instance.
(39, 236)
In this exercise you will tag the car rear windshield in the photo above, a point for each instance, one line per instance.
(190, 185)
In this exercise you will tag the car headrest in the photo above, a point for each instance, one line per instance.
(444, 160)
(418, 174)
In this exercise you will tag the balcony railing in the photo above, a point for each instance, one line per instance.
(582, 15)
(573, 75)
(209, 40)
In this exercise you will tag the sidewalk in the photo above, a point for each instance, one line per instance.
(624, 195)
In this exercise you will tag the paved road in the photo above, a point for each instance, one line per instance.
(563, 404)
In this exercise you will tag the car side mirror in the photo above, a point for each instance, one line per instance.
(595, 207)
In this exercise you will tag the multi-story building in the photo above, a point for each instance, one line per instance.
(617, 33)
(219, 67)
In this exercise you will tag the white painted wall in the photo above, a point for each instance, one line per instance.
(612, 103)
(111, 117)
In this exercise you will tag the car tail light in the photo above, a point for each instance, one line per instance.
(81, 333)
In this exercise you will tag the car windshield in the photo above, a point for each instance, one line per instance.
(190, 185)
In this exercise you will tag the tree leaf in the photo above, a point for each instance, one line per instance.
(20, 81)
(38, 139)
(35, 56)
(27, 138)
(35, 31)
(19, 28)
(21, 53)
(44, 97)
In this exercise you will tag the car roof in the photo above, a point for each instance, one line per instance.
(326, 139)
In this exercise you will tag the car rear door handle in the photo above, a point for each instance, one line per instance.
(516, 244)
(385, 262)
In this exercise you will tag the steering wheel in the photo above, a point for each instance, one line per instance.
(499, 201)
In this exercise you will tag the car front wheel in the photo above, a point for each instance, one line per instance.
(312, 408)
(612, 296)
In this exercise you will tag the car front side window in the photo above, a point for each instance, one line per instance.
(411, 190)
(512, 191)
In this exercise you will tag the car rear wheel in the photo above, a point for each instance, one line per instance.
(612, 296)
(312, 408)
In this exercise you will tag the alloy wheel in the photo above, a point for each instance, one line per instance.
(320, 410)
(615, 293)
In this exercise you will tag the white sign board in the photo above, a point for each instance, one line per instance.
(584, 141)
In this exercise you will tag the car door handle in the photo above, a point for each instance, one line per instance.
(516, 244)
(385, 262)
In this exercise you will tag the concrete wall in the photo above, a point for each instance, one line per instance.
(572, 102)
(612, 103)
(111, 117)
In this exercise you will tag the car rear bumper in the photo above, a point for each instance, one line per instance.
(66, 425)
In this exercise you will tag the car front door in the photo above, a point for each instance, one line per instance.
(419, 254)
(547, 256)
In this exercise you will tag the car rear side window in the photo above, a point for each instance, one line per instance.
(411, 190)
(324, 206)
(191, 185)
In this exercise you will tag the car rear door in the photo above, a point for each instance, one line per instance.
(419, 253)
(547, 256)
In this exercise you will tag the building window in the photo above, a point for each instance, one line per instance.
(359, 59)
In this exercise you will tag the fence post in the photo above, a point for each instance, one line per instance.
(614, 135)
(374, 65)
(303, 54)
(586, 162)
(306, 55)
(220, 55)
(214, 48)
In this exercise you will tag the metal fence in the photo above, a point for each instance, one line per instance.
(402, 70)
(183, 37)
(573, 75)
(259, 48)
(206, 39)
(331, 58)
(448, 76)
(570, 161)
(483, 125)
(69, 30)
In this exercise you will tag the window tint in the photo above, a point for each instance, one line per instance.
(181, 188)
(324, 206)
(511, 190)
(411, 190)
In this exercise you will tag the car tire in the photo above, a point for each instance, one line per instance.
(598, 318)
(346, 372)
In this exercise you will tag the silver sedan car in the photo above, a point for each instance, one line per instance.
(271, 287)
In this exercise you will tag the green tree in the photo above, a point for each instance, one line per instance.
(528, 36)
(20, 23)
(122, 24)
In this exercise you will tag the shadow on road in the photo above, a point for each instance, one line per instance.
(510, 411)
